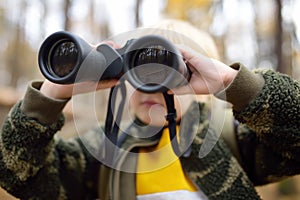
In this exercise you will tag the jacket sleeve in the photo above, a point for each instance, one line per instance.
(34, 163)
(268, 130)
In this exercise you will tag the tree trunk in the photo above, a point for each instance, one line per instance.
(137, 13)
(278, 37)
(67, 25)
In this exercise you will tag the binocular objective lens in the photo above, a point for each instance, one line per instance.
(63, 58)
(153, 65)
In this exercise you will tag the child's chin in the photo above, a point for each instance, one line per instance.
(157, 115)
(154, 121)
(158, 121)
(158, 124)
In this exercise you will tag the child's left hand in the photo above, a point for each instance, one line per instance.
(209, 76)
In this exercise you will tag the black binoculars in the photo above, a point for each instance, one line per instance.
(150, 63)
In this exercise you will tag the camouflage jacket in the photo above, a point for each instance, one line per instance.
(261, 147)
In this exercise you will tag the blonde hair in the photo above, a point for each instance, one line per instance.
(182, 32)
(176, 31)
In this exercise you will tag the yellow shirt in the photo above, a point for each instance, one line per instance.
(160, 170)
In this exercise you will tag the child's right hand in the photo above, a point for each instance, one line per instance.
(59, 91)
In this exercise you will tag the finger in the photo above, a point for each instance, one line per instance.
(186, 52)
(112, 44)
(181, 90)
(89, 86)
(107, 84)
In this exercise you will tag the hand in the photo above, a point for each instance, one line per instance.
(58, 91)
(209, 76)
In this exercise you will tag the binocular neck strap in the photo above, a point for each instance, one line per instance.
(112, 126)
(171, 118)
(111, 131)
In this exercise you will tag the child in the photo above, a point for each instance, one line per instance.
(259, 149)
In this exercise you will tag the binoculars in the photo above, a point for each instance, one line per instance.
(150, 63)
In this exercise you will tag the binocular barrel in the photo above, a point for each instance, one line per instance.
(150, 63)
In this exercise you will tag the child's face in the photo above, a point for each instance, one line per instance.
(151, 109)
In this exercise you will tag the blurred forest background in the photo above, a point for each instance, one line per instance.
(258, 33)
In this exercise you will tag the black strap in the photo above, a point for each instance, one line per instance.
(171, 118)
(112, 126)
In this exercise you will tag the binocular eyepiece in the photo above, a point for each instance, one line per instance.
(150, 63)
